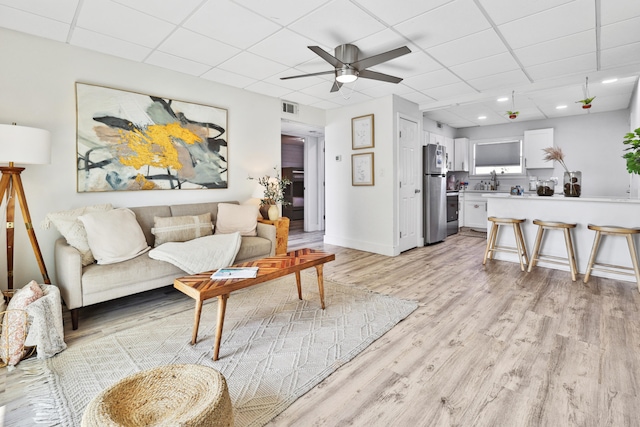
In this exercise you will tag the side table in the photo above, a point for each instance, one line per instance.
(282, 233)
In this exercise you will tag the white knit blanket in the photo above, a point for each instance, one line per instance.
(46, 330)
(201, 254)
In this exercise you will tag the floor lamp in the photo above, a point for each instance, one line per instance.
(22, 145)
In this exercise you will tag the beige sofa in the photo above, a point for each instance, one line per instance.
(83, 286)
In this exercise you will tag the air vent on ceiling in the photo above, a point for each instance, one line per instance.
(289, 107)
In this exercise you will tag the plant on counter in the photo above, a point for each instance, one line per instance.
(632, 139)
(586, 103)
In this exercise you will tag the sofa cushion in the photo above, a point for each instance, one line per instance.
(72, 229)
(146, 215)
(253, 248)
(240, 218)
(181, 228)
(114, 235)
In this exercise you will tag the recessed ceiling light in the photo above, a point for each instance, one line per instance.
(482, 117)
(561, 107)
(503, 99)
(609, 81)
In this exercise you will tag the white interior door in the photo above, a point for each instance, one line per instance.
(409, 172)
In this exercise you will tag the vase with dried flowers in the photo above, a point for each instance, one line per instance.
(273, 188)
(572, 179)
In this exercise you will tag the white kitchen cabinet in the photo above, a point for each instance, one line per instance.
(475, 212)
(450, 152)
(461, 154)
(534, 142)
(461, 209)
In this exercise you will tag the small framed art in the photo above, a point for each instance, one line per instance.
(362, 169)
(362, 132)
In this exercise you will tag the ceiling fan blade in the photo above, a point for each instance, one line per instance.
(368, 74)
(326, 56)
(378, 59)
(308, 75)
(336, 86)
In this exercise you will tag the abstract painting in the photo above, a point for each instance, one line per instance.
(130, 141)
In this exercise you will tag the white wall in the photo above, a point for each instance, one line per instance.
(591, 143)
(364, 217)
(634, 119)
(37, 87)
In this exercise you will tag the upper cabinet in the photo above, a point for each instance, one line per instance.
(461, 158)
(534, 142)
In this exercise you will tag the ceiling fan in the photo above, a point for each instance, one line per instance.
(347, 66)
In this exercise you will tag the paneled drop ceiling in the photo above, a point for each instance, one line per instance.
(465, 53)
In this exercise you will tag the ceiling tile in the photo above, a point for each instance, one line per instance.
(393, 13)
(449, 22)
(170, 11)
(108, 45)
(17, 20)
(112, 19)
(301, 98)
(449, 91)
(577, 64)
(417, 97)
(614, 11)
(469, 48)
(327, 105)
(486, 66)
(250, 65)
(228, 78)
(621, 55)
(431, 79)
(336, 23)
(282, 12)
(59, 10)
(528, 31)
(350, 98)
(268, 89)
(175, 63)
(285, 47)
(387, 89)
(381, 41)
(556, 49)
(502, 11)
(512, 78)
(196, 47)
(244, 30)
(620, 33)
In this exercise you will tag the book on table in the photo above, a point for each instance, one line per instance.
(235, 273)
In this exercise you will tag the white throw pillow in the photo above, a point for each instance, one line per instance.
(114, 235)
(72, 229)
(240, 218)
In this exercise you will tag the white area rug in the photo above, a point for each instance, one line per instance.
(274, 349)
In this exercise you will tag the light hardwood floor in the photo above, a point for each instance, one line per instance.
(488, 346)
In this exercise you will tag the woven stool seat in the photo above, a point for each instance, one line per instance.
(171, 395)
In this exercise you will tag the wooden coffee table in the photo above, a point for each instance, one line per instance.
(201, 287)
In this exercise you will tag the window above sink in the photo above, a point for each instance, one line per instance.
(504, 156)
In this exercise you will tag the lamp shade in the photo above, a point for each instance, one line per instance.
(24, 145)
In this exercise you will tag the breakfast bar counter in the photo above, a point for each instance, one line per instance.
(619, 211)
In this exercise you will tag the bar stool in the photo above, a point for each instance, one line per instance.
(520, 249)
(537, 256)
(610, 230)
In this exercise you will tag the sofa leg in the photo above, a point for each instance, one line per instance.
(74, 318)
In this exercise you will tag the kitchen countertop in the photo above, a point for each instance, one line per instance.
(560, 197)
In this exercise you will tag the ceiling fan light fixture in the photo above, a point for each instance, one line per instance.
(346, 75)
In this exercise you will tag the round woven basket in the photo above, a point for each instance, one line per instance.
(171, 395)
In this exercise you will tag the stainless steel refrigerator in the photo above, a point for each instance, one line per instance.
(435, 193)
